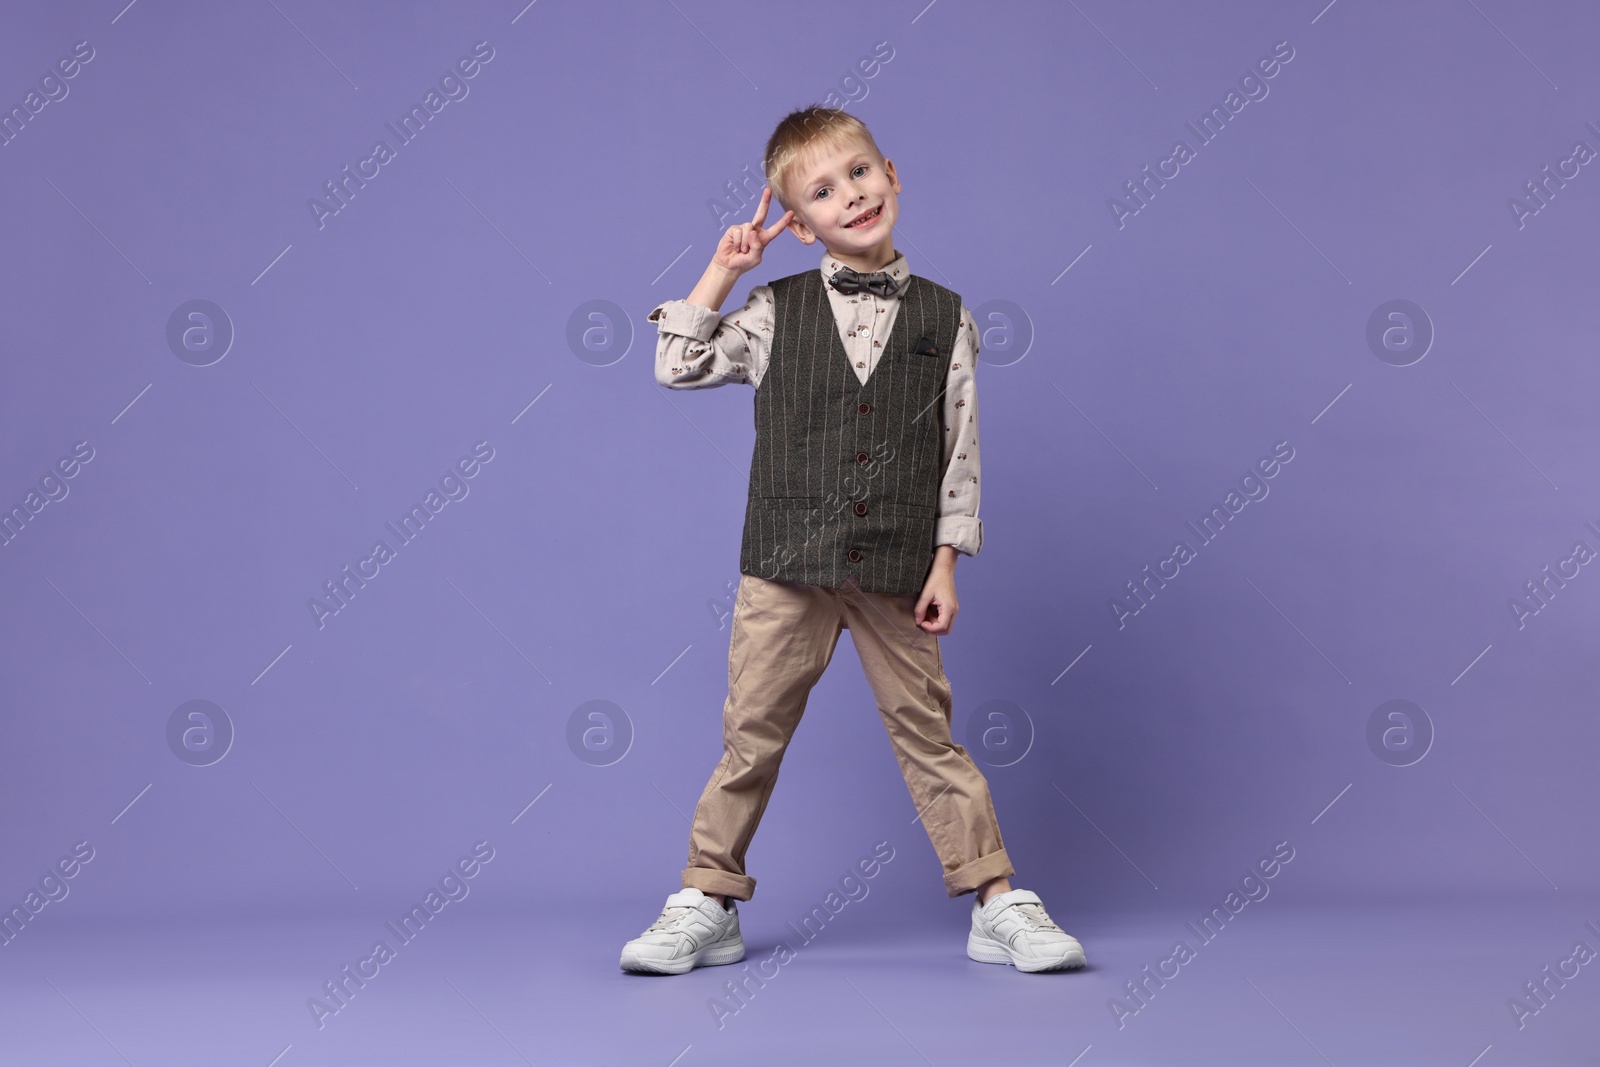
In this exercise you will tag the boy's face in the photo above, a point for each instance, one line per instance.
(834, 187)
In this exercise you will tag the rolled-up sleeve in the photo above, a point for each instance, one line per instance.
(957, 523)
(697, 348)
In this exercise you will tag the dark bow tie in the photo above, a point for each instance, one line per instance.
(850, 282)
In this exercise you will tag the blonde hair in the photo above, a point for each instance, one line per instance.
(800, 135)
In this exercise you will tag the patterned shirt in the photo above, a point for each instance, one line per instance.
(698, 348)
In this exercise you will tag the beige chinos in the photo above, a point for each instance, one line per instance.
(783, 638)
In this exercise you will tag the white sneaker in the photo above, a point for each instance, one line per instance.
(693, 931)
(1014, 928)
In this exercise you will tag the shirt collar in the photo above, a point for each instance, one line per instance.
(895, 269)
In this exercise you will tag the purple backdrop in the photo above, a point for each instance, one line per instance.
(228, 376)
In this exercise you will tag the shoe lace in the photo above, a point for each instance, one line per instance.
(1035, 916)
(670, 917)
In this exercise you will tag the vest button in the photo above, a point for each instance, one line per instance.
(864, 408)
(861, 507)
(854, 555)
(863, 458)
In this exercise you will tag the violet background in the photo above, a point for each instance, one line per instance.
(595, 556)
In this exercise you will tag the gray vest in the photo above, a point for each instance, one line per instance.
(845, 477)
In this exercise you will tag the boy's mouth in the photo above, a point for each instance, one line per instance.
(864, 218)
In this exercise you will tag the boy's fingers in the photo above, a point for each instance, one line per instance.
(771, 232)
(761, 208)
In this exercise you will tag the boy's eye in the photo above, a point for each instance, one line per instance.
(858, 167)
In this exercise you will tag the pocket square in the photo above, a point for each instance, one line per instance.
(924, 347)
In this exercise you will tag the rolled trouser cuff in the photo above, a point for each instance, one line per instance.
(969, 876)
(710, 880)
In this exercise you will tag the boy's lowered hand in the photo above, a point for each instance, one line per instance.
(740, 248)
(938, 593)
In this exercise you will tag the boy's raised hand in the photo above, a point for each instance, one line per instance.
(741, 247)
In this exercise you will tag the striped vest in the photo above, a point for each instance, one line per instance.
(845, 476)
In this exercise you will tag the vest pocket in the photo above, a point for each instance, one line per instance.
(842, 507)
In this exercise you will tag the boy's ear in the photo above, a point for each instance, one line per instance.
(801, 230)
(894, 179)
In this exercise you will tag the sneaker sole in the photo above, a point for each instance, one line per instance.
(715, 955)
(985, 950)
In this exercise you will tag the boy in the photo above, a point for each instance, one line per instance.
(863, 488)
